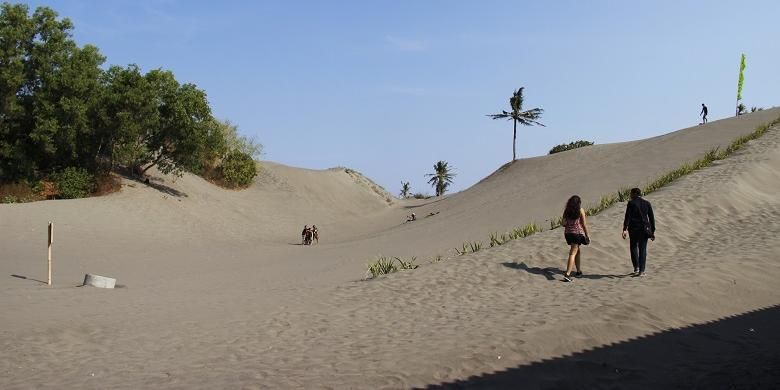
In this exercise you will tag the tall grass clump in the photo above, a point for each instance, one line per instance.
(525, 231)
(556, 222)
(382, 266)
(386, 265)
(498, 240)
(604, 203)
(514, 234)
(469, 247)
(407, 264)
(624, 194)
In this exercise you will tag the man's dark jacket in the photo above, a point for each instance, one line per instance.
(636, 209)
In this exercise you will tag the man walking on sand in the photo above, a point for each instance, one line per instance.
(639, 223)
(703, 114)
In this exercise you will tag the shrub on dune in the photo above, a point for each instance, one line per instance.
(74, 182)
(569, 146)
(238, 169)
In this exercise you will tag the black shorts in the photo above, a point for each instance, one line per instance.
(576, 239)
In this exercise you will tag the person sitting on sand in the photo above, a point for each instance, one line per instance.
(411, 218)
(315, 233)
(575, 230)
(303, 234)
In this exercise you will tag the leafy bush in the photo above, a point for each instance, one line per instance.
(10, 199)
(238, 169)
(569, 146)
(420, 195)
(74, 183)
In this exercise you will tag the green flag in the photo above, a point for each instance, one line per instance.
(741, 78)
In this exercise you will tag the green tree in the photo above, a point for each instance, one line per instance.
(405, 189)
(48, 93)
(60, 110)
(441, 178)
(517, 115)
(153, 121)
(126, 116)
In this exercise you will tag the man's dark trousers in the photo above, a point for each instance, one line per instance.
(638, 244)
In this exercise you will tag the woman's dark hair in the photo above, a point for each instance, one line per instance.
(572, 210)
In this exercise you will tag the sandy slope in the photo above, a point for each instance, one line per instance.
(219, 295)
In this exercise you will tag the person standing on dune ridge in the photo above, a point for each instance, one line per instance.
(703, 114)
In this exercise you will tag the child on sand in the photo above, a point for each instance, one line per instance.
(575, 230)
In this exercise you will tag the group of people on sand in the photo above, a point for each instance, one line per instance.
(310, 234)
(638, 225)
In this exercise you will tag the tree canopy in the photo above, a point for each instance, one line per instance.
(441, 178)
(60, 108)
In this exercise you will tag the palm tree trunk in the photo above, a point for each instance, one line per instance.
(514, 142)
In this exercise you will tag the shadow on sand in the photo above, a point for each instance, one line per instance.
(737, 352)
(550, 272)
(26, 278)
(153, 182)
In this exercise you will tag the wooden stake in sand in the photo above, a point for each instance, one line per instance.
(51, 240)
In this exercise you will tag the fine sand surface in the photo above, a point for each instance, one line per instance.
(218, 293)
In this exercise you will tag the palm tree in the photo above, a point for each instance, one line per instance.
(405, 189)
(441, 178)
(517, 114)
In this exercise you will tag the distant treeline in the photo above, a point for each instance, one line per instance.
(59, 109)
(569, 146)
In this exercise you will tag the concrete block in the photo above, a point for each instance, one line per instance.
(99, 281)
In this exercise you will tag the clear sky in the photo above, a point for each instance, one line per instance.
(390, 87)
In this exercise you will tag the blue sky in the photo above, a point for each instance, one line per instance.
(390, 87)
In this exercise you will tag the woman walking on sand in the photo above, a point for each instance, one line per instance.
(575, 230)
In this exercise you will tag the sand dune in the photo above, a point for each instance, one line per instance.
(219, 294)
